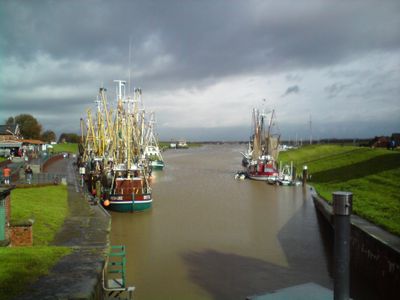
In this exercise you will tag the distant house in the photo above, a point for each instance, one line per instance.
(12, 143)
(396, 138)
(9, 132)
(380, 142)
(9, 140)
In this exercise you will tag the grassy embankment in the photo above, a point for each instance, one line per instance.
(2, 159)
(65, 147)
(21, 266)
(372, 175)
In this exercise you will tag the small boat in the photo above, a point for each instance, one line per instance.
(240, 175)
(286, 175)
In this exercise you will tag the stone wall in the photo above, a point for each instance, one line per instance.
(377, 260)
(50, 161)
(374, 252)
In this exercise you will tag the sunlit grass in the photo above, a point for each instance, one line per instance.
(47, 206)
(372, 175)
(65, 147)
(21, 266)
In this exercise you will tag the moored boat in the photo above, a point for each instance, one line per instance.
(128, 196)
(263, 169)
(152, 150)
(116, 170)
(260, 158)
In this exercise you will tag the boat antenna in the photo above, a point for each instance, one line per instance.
(129, 64)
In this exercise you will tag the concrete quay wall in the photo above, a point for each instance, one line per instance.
(375, 253)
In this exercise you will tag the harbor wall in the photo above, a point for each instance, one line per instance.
(374, 252)
(50, 161)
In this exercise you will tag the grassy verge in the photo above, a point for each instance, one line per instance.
(23, 265)
(66, 147)
(372, 175)
(194, 144)
(2, 159)
(46, 205)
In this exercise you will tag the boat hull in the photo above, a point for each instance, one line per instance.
(129, 206)
(157, 165)
(262, 178)
(128, 196)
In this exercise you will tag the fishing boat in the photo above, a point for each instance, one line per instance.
(286, 175)
(112, 160)
(260, 159)
(152, 150)
(128, 192)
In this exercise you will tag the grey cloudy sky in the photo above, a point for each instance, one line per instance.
(203, 65)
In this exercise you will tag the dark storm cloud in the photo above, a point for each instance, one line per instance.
(292, 90)
(203, 38)
(54, 54)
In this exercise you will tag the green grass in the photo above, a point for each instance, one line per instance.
(2, 159)
(23, 265)
(46, 205)
(66, 147)
(372, 175)
(194, 144)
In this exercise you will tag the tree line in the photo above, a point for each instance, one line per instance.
(30, 128)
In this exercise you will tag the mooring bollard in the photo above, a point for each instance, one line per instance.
(305, 175)
(342, 205)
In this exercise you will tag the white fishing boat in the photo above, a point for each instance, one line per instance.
(152, 150)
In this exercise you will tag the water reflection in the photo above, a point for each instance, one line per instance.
(205, 226)
(232, 276)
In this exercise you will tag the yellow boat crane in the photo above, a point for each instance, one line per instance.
(116, 136)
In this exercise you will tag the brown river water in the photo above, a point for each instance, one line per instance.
(209, 236)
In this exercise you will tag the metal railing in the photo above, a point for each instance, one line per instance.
(41, 178)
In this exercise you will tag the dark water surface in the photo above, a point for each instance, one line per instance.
(209, 236)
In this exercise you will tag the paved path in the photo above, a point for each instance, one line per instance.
(86, 230)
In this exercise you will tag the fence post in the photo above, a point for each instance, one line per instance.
(342, 205)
